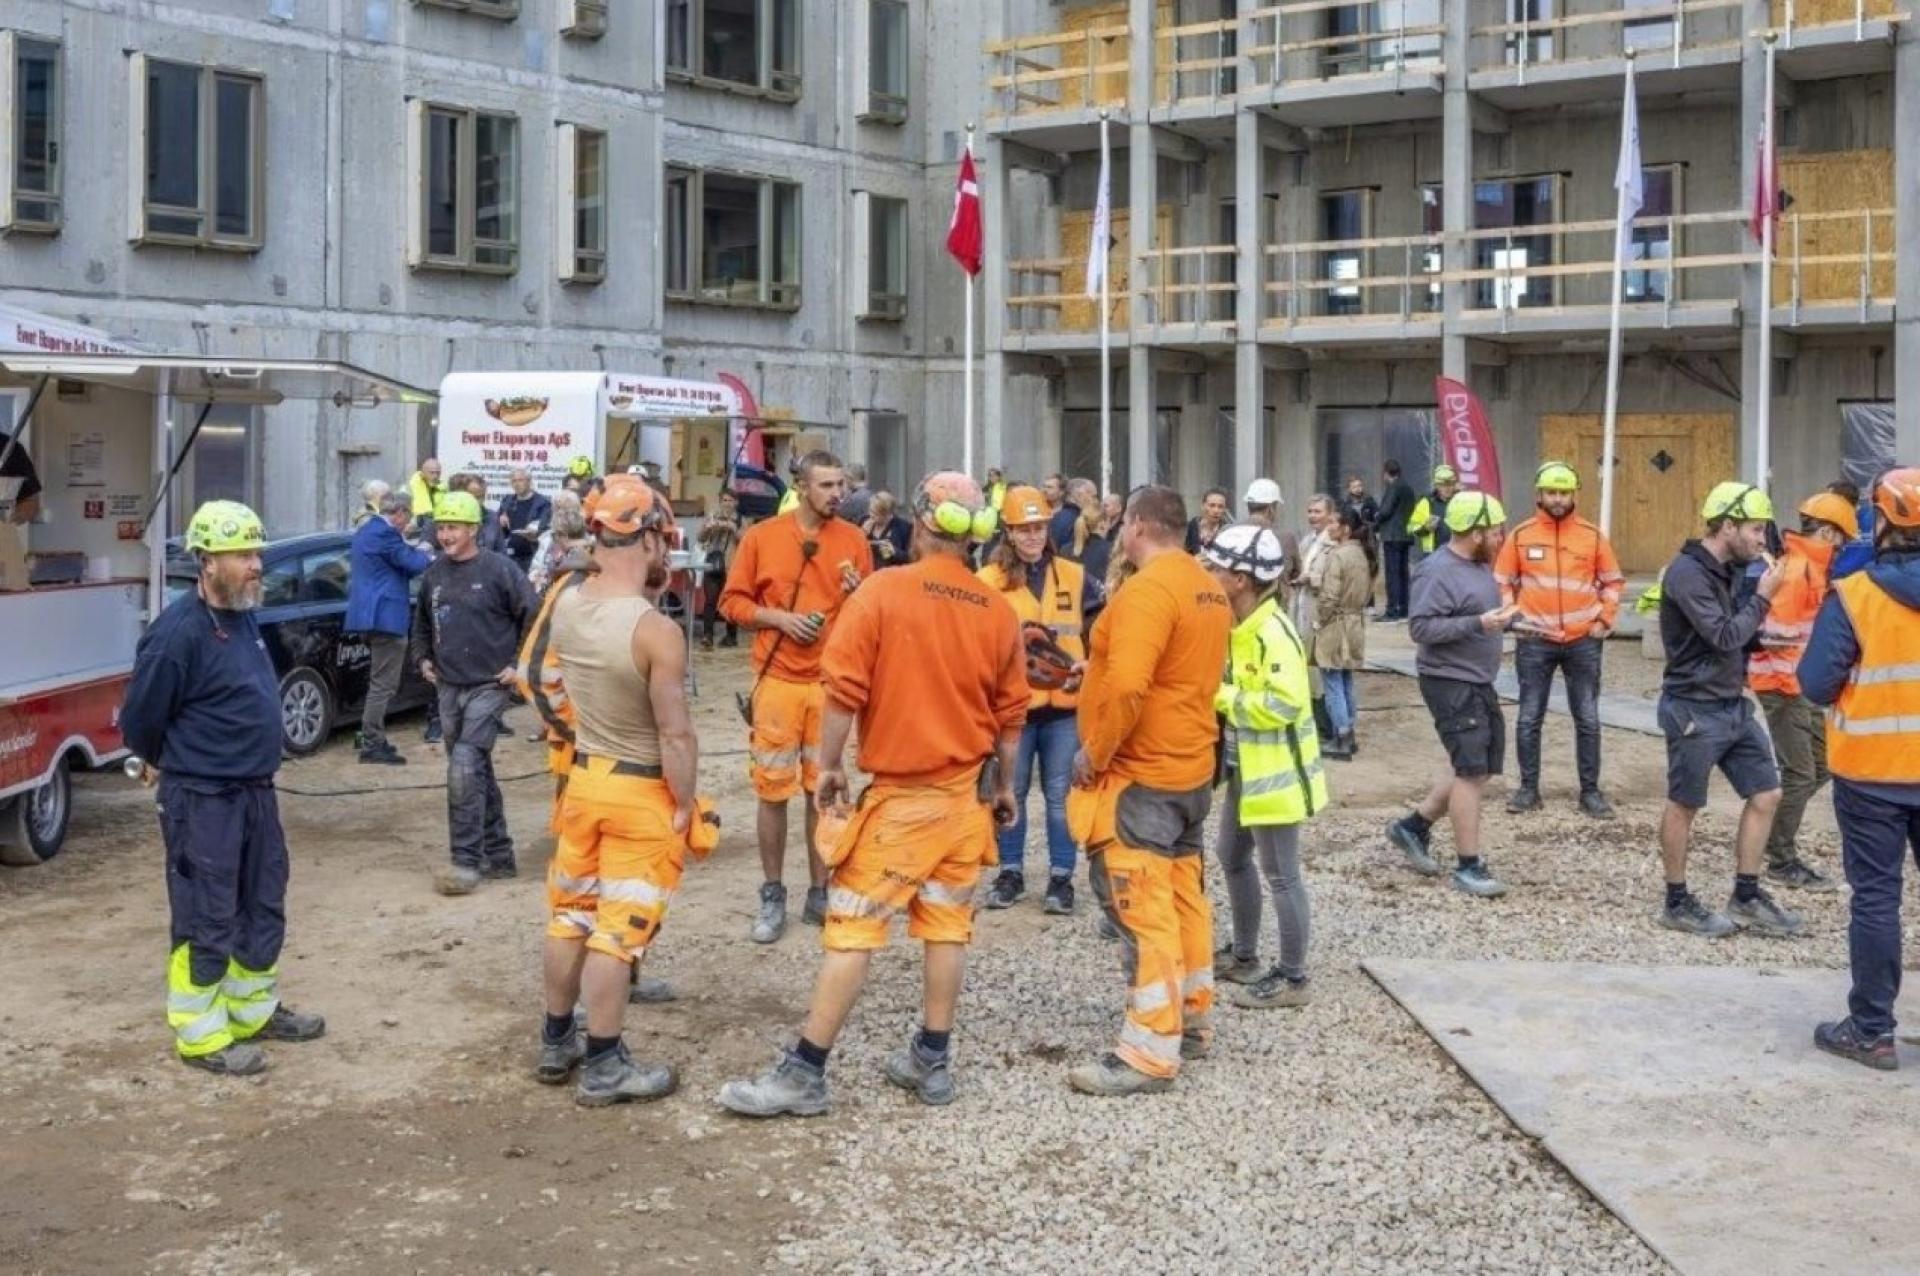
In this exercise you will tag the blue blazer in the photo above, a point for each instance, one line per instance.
(382, 563)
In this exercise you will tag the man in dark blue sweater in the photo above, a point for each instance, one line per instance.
(204, 709)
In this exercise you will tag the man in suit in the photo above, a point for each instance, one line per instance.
(381, 565)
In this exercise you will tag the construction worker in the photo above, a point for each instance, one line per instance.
(996, 487)
(1427, 524)
(426, 489)
(473, 610)
(1275, 779)
(1798, 729)
(203, 708)
(1455, 618)
(931, 663)
(1704, 712)
(790, 499)
(629, 816)
(1561, 571)
(789, 578)
(1863, 661)
(1143, 781)
(581, 471)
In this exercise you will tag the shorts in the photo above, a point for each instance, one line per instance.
(918, 849)
(1468, 718)
(785, 740)
(1704, 734)
(617, 863)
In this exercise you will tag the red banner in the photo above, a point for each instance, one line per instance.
(1466, 437)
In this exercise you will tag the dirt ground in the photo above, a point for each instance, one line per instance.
(411, 1138)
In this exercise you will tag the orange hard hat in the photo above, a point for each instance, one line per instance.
(1897, 496)
(625, 506)
(1023, 506)
(1829, 508)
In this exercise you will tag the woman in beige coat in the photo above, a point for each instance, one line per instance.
(1340, 625)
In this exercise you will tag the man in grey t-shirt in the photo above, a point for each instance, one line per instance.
(1456, 620)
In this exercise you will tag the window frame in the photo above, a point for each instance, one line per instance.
(778, 71)
(141, 208)
(775, 291)
(584, 19)
(575, 262)
(1665, 284)
(499, 10)
(880, 306)
(467, 241)
(1362, 258)
(11, 193)
(882, 105)
(1486, 294)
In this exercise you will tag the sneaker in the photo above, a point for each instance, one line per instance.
(432, 734)
(1107, 930)
(1196, 1043)
(772, 921)
(1695, 918)
(1799, 875)
(931, 1079)
(788, 1088)
(1274, 991)
(1059, 897)
(1476, 880)
(1846, 1040)
(815, 911)
(496, 871)
(457, 879)
(1764, 917)
(389, 756)
(1417, 847)
(1337, 748)
(614, 1077)
(291, 1025)
(649, 991)
(1228, 968)
(1008, 889)
(1522, 800)
(1110, 1076)
(557, 1058)
(241, 1059)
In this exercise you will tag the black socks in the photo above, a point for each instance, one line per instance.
(559, 1028)
(933, 1044)
(1676, 894)
(1419, 823)
(813, 1056)
(597, 1046)
(1746, 886)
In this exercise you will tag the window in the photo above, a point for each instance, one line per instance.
(1377, 44)
(1433, 222)
(582, 214)
(323, 577)
(732, 239)
(505, 10)
(280, 583)
(583, 19)
(752, 44)
(886, 62)
(1655, 242)
(197, 141)
(1535, 47)
(880, 237)
(886, 452)
(30, 147)
(465, 210)
(1345, 215)
(1648, 33)
(1511, 205)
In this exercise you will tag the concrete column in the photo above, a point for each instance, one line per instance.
(1142, 172)
(1754, 380)
(1456, 182)
(1249, 380)
(990, 396)
(1906, 188)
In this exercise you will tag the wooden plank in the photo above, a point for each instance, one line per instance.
(1832, 191)
(1543, 26)
(1821, 13)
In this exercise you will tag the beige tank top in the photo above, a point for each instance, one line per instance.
(593, 642)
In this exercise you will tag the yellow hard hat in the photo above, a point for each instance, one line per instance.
(457, 507)
(1557, 476)
(581, 467)
(1471, 511)
(1742, 502)
(1444, 474)
(225, 527)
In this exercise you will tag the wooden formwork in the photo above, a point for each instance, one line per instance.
(1839, 228)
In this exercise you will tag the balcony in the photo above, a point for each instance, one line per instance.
(1529, 61)
(1048, 310)
(1345, 291)
(1047, 87)
(1334, 63)
(1834, 270)
(1826, 39)
(1186, 296)
(1197, 75)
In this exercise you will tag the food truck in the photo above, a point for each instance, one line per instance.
(105, 427)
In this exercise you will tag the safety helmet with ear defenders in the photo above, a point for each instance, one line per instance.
(951, 503)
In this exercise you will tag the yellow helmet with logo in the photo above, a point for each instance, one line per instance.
(1557, 476)
(1471, 511)
(1444, 474)
(457, 507)
(580, 467)
(225, 527)
(1742, 502)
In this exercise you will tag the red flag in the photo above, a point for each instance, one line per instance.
(1467, 437)
(964, 232)
(1766, 189)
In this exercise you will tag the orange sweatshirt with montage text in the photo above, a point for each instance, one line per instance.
(770, 560)
(930, 660)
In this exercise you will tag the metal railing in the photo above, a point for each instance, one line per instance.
(1845, 257)
(1791, 16)
(1529, 41)
(1384, 52)
(1059, 70)
(1191, 286)
(1196, 62)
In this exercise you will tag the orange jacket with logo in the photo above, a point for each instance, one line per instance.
(1060, 611)
(1146, 708)
(1789, 623)
(1564, 575)
(930, 660)
(1873, 728)
(764, 573)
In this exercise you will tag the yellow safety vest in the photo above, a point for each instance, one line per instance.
(1423, 535)
(1059, 609)
(1267, 699)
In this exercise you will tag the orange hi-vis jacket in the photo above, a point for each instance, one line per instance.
(1563, 573)
(1789, 623)
(1146, 707)
(770, 569)
(1873, 728)
(1059, 609)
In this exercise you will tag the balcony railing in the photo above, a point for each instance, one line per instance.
(1843, 257)
(1192, 286)
(1059, 71)
(1648, 31)
(1196, 62)
(1793, 16)
(1049, 294)
(1375, 278)
(1275, 60)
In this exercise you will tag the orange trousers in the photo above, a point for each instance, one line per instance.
(618, 861)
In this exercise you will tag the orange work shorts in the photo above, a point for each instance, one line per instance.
(785, 741)
(917, 849)
(617, 863)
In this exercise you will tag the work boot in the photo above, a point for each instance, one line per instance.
(457, 879)
(385, 755)
(1008, 889)
(1476, 880)
(1799, 875)
(931, 1079)
(291, 1025)
(1111, 1076)
(1195, 1043)
(1764, 917)
(731, 640)
(1847, 1040)
(241, 1059)
(432, 734)
(1523, 799)
(557, 1058)
(1695, 918)
(815, 911)
(501, 870)
(789, 1088)
(649, 991)
(1275, 990)
(614, 1077)
(1228, 968)
(772, 922)
(1107, 929)
(1594, 804)
(1350, 743)
(1059, 901)
(1417, 847)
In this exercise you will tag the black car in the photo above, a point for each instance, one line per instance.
(303, 611)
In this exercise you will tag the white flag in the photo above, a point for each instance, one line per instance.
(1628, 179)
(1100, 241)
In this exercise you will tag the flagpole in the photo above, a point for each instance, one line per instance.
(1763, 449)
(1106, 308)
(966, 414)
(1621, 235)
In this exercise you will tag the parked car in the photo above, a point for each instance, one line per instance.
(303, 610)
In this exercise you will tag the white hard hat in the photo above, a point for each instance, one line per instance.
(1263, 491)
(1246, 548)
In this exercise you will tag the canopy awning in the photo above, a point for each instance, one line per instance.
(207, 379)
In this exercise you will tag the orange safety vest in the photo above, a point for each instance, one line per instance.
(1564, 575)
(1059, 609)
(1873, 728)
(1789, 623)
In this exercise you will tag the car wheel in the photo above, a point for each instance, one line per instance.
(36, 821)
(306, 712)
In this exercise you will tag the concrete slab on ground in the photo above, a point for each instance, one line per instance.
(1690, 1100)
(1391, 651)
